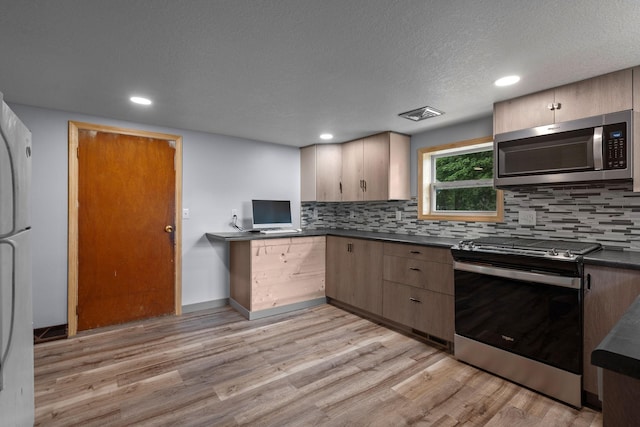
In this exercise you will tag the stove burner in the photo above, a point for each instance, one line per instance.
(555, 249)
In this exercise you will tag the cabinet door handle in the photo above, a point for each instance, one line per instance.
(364, 183)
(414, 268)
(415, 252)
(349, 247)
(588, 284)
(340, 187)
(415, 300)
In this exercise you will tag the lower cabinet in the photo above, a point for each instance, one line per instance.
(271, 276)
(410, 285)
(609, 293)
(418, 288)
(354, 272)
(420, 309)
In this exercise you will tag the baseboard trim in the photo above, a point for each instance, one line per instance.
(252, 315)
(190, 308)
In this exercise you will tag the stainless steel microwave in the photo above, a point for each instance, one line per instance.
(598, 148)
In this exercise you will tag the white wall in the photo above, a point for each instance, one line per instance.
(220, 173)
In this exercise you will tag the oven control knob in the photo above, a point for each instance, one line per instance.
(568, 254)
(553, 252)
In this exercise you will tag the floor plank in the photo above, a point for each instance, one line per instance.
(319, 366)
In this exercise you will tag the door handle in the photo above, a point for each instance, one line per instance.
(414, 300)
(168, 229)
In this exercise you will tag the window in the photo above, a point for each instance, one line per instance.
(456, 182)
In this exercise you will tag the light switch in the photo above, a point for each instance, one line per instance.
(186, 214)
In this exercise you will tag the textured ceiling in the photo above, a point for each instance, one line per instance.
(284, 71)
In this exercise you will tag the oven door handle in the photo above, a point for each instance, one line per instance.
(527, 276)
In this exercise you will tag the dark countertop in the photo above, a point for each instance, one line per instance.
(372, 235)
(614, 258)
(619, 351)
(607, 257)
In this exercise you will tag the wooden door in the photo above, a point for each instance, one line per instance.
(352, 171)
(375, 167)
(127, 239)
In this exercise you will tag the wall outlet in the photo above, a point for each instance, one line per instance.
(352, 214)
(527, 217)
(234, 212)
(398, 215)
(186, 213)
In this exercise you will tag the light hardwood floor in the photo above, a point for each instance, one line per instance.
(319, 366)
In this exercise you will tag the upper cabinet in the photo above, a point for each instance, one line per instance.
(371, 168)
(320, 173)
(599, 95)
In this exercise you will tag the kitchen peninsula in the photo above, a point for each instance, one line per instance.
(367, 272)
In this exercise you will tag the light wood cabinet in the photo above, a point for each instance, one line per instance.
(376, 168)
(354, 272)
(352, 162)
(270, 276)
(321, 173)
(418, 288)
(371, 168)
(599, 95)
(609, 295)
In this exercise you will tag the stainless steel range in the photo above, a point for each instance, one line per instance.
(518, 311)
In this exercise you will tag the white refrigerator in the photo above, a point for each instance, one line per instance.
(16, 320)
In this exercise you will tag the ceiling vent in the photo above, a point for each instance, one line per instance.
(421, 113)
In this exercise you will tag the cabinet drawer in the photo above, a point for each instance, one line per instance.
(419, 252)
(420, 309)
(434, 276)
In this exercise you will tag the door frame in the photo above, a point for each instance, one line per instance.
(72, 247)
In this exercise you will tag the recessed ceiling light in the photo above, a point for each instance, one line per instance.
(507, 81)
(140, 100)
(326, 136)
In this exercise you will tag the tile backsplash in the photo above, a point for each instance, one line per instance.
(607, 213)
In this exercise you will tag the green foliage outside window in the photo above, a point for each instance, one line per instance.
(465, 167)
(466, 199)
